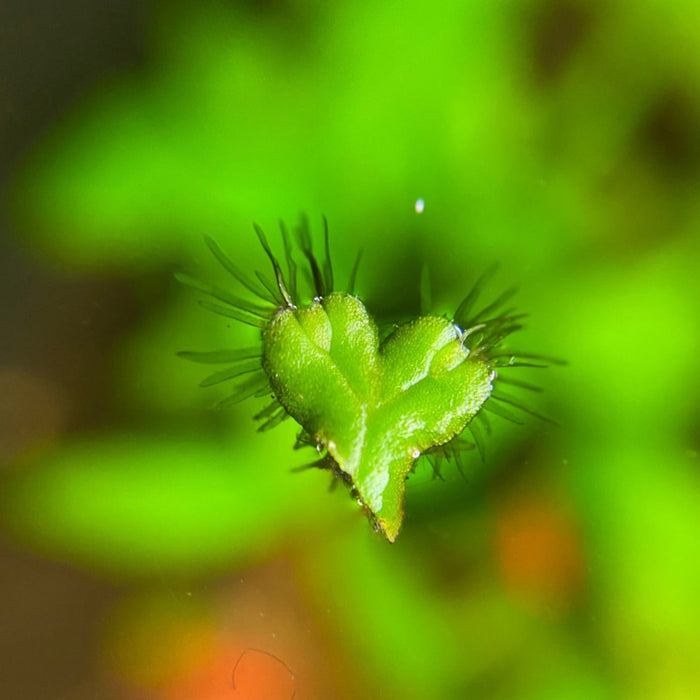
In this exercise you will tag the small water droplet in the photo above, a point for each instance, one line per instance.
(419, 206)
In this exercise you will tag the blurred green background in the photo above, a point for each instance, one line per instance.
(154, 548)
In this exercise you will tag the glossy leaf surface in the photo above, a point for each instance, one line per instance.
(374, 407)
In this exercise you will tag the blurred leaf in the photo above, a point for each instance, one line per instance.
(135, 505)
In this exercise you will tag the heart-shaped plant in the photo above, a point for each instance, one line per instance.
(371, 408)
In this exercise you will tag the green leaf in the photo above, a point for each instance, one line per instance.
(138, 504)
(375, 408)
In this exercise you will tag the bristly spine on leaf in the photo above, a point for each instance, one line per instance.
(270, 297)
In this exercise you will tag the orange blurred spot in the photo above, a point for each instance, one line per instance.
(539, 554)
(259, 675)
(250, 639)
(254, 674)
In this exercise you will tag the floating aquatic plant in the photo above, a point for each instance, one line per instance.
(371, 406)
